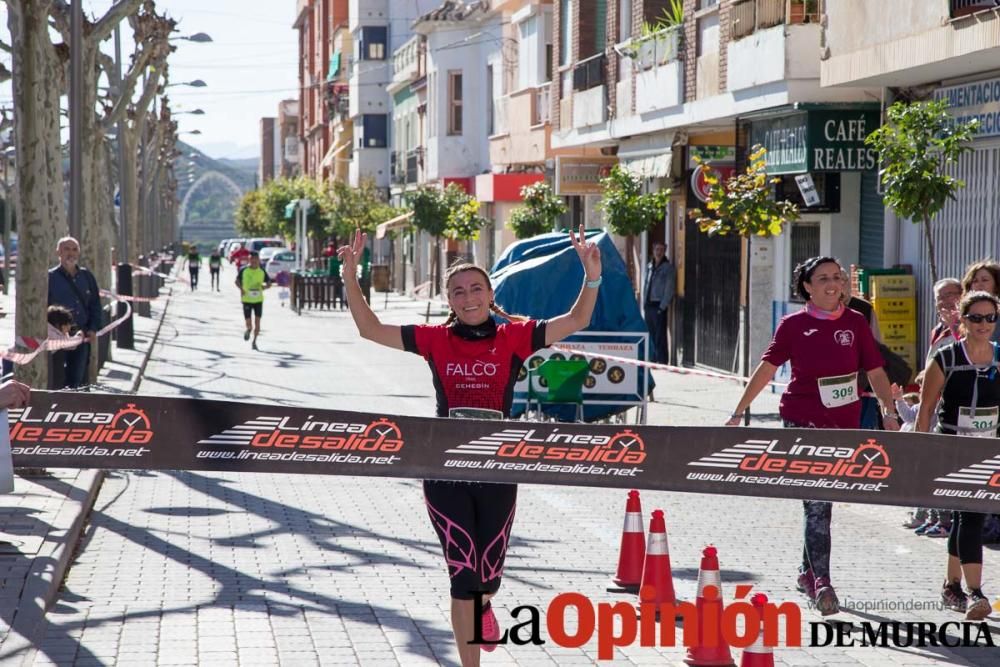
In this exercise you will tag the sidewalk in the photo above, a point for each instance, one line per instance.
(40, 523)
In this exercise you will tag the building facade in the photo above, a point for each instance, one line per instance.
(653, 91)
(948, 49)
(316, 22)
(289, 164)
(270, 155)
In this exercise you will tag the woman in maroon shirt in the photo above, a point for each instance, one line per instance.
(827, 345)
(474, 363)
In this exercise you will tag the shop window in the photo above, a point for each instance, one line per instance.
(804, 240)
(373, 42)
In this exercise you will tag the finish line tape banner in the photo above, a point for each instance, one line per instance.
(91, 430)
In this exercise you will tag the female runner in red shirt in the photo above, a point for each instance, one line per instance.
(475, 363)
(827, 345)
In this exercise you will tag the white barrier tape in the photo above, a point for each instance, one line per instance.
(39, 346)
(143, 299)
(62, 343)
(114, 323)
(139, 270)
(679, 370)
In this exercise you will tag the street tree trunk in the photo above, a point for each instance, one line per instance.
(931, 256)
(37, 82)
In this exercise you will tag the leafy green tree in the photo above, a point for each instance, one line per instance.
(744, 205)
(432, 213)
(629, 210)
(918, 144)
(430, 210)
(539, 213)
(250, 215)
(464, 221)
(356, 208)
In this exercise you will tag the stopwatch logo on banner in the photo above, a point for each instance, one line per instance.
(866, 461)
(128, 426)
(380, 435)
(532, 444)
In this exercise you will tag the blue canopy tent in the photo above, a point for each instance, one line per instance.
(541, 278)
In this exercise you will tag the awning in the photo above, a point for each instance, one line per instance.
(647, 156)
(654, 166)
(334, 152)
(398, 222)
(334, 66)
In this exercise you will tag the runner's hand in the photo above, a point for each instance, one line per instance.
(734, 420)
(590, 254)
(14, 394)
(350, 254)
(890, 423)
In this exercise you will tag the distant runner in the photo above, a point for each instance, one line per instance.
(252, 281)
(194, 264)
(214, 266)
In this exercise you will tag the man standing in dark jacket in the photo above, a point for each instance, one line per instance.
(75, 288)
(659, 289)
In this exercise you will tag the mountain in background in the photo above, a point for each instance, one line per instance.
(230, 150)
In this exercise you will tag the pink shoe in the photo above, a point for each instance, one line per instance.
(491, 629)
(806, 583)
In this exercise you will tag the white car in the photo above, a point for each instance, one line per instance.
(284, 260)
(267, 253)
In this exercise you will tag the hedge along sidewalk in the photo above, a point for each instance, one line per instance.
(42, 521)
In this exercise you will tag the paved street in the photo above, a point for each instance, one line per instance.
(256, 569)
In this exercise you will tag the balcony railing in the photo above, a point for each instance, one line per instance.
(750, 16)
(965, 7)
(590, 72)
(540, 104)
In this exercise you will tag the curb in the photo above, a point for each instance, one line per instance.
(50, 564)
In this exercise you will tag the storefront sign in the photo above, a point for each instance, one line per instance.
(700, 187)
(837, 140)
(817, 140)
(711, 155)
(582, 175)
(785, 141)
(978, 100)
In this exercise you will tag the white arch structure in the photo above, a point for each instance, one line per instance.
(207, 176)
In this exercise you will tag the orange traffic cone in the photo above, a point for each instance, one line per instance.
(757, 654)
(656, 568)
(711, 649)
(633, 547)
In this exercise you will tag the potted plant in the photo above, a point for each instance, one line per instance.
(645, 46)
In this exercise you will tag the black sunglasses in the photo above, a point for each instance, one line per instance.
(975, 318)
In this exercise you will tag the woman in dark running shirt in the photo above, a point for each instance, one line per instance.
(964, 376)
(475, 363)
